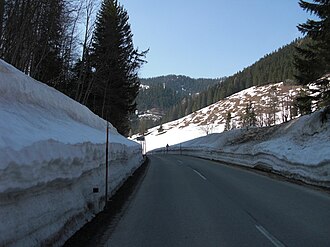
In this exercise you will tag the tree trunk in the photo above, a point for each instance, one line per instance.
(2, 8)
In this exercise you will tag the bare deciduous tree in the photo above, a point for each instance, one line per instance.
(2, 8)
(35, 38)
(207, 128)
(84, 86)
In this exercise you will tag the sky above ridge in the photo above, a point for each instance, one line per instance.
(210, 38)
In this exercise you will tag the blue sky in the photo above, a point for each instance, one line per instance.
(210, 38)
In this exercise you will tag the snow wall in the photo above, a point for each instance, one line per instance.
(298, 149)
(52, 156)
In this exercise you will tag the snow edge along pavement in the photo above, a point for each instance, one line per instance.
(298, 149)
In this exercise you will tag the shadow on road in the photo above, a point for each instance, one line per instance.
(97, 231)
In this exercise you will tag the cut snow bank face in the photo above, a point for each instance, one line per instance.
(52, 153)
(299, 148)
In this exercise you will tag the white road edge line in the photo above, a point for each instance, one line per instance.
(199, 174)
(270, 237)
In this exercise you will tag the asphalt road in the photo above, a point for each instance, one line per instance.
(185, 201)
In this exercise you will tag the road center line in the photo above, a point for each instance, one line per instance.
(270, 237)
(180, 161)
(199, 174)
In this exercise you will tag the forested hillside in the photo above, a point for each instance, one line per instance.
(182, 83)
(158, 95)
(274, 67)
(164, 92)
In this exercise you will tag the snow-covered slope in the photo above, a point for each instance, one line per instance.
(212, 119)
(52, 153)
(299, 148)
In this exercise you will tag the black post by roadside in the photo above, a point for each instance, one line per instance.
(106, 166)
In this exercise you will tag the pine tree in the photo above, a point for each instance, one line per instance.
(116, 64)
(304, 103)
(313, 55)
(142, 127)
(228, 121)
(273, 103)
(160, 129)
(249, 119)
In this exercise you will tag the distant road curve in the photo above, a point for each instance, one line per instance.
(186, 201)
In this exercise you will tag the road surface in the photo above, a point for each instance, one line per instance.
(186, 201)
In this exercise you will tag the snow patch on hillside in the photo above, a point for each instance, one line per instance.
(212, 118)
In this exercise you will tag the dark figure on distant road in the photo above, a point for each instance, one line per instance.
(167, 148)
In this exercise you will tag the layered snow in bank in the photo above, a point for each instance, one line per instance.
(299, 148)
(52, 155)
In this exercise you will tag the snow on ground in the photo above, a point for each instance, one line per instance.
(144, 87)
(52, 155)
(299, 148)
(171, 136)
(212, 118)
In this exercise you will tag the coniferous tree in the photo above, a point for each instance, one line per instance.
(142, 127)
(160, 129)
(313, 55)
(228, 121)
(249, 119)
(116, 63)
(253, 117)
(304, 103)
(273, 103)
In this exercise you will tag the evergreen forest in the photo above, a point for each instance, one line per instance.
(274, 67)
(165, 91)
